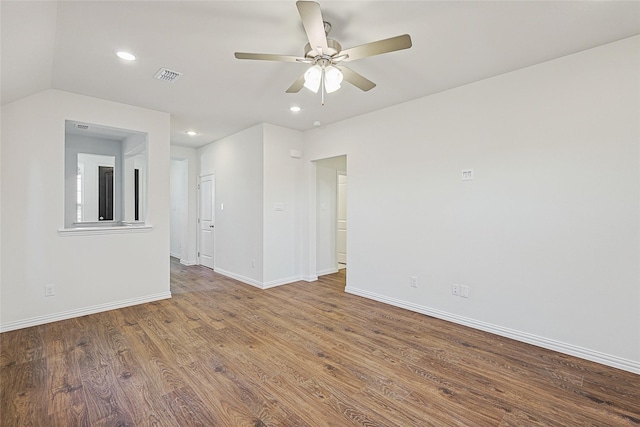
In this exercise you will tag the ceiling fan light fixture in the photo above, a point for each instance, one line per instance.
(332, 79)
(312, 78)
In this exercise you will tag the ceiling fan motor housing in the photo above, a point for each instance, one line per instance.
(312, 53)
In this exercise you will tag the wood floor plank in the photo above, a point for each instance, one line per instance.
(185, 406)
(222, 353)
(23, 393)
(105, 400)
(66, 399)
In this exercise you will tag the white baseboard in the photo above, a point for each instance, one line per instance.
(69, 314)
(550, 344)
(257, 283)
(239, 277)
(310, 278)
(279, 282)
(187, 262)
(171, 254)
(327, 271)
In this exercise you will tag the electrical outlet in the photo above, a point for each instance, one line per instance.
(413, 280)
(253, 263)
(464, 291)
(455, 290)
(49, 290)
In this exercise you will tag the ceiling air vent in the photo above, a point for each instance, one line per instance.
(167, 75)
(81, 126)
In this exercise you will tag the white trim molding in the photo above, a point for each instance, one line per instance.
(187, 262)
(70, 314)
(239, 277)
(327, 271)
(90, 231)
(279, 282)
(257, 283)
(549, 344)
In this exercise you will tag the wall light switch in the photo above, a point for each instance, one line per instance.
(221, 206)
(464, 291)
(50, 290)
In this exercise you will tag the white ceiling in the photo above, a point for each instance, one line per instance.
(70, 46)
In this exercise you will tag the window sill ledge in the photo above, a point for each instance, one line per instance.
(92, 231)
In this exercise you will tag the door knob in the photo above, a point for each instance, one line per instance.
(211, 226)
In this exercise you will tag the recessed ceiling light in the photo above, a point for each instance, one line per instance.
(295, 109)
(126, 55)
(191, 132)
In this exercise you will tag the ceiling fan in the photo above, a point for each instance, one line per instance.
(326, 56)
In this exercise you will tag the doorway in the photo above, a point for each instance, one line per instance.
(206, 220)
(105, 193)
(331, 215)
(341, 239)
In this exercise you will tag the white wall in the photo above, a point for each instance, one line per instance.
(91, 272)
(237, 162)
(179, 205)
(258, 235)
(188, 233)
(283, 185)
(547, 234)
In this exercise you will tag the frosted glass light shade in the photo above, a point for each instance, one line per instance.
(312, 78)
(332, 79)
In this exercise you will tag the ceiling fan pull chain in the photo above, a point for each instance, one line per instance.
(322, 85)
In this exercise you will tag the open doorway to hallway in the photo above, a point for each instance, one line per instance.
(341, 220)
(331, 215)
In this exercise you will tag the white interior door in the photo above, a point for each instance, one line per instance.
(206, 220)
(341, 239)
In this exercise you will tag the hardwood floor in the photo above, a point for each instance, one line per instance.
(221, 353)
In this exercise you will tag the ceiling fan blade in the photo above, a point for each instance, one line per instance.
(267, 57)
(297, 85)
(377, 48)
(313, 24)
(356, 79)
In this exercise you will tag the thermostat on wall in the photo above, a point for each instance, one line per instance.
(467, 174)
